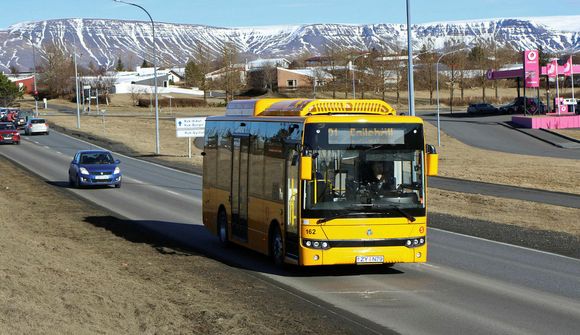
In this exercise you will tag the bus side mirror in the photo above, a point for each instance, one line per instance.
(306, 168)
(432, 160)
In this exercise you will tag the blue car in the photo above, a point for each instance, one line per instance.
(93, 168)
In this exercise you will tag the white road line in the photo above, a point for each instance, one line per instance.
(129, 157)
(47, 147)
(172, 192)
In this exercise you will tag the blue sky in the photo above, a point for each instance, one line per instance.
(223, 13)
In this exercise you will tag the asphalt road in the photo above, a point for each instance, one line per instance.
(469, 285)
(492, 133)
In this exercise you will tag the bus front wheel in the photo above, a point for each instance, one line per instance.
(222, 225)
(277, 246)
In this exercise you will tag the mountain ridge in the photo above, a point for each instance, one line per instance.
(103, 41)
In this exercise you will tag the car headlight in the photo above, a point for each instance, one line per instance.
(83, 170)
(117, 170)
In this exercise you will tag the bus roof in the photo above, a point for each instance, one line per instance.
(306, 107)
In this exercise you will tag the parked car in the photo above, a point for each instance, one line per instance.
(20, 120)
(9, 133)
(533, 106)
(94, 167)
(36, 126)
(482, 108)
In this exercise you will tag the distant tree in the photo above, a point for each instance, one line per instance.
(13, 69)
(120, 66)
(479, 61)
(336, 56)
(8, 91)
(145, 64)
(231, 80)
(192, 73)
(426, 76)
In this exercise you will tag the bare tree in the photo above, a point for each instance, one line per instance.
(231, 81)
(426, 76)
(57, 78)
(136, 94)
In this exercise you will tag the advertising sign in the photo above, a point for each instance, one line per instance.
(532, 68)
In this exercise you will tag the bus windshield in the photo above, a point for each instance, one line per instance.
(365, 168)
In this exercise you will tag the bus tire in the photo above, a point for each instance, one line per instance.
(276, 245)
(222, 228)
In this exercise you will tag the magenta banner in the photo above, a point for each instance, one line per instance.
(567, 70)
(531, 68)
(552, 69)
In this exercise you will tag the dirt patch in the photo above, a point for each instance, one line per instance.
(573, 132)
(68, 267)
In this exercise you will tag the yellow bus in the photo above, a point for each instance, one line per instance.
(318, 182)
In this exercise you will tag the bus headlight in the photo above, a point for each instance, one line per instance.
(313, 244)
(415, 242)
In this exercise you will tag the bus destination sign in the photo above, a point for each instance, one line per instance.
(374, 135)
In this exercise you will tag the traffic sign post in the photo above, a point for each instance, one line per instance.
(190, 127)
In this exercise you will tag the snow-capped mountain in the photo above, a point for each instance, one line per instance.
(102, 42)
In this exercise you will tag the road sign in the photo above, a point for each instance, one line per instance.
(190, 127)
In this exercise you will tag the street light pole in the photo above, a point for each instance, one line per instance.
(77, 91)
(437, 88)
(157, 151)
(352, 69)
(411, 85)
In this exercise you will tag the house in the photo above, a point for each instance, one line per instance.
(260, 64)
(301, 78)
(25, 82)
(238, 69)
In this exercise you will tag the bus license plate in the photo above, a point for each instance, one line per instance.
(370, 259)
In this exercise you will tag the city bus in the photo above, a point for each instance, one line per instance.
(318, 181)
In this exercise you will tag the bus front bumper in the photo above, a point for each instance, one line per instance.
(363, 255)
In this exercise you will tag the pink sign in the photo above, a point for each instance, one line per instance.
(532, 68)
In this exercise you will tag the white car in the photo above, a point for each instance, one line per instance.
(36, 126)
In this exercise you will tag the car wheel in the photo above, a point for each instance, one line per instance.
(118, 185)
(277, 246)
(71, 182)
(222, 228)
(77, 182)
(17, 143)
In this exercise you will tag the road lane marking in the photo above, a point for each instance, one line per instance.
(173, 192)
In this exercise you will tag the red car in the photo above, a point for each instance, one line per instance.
(9, 133)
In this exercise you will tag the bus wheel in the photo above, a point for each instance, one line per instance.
(222, 224)
(277, 246)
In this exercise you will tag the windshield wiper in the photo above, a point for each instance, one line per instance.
(398, 209)
(346, 215)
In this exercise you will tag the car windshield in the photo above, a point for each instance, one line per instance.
(6, 126)
(366, 171)
(96, 158)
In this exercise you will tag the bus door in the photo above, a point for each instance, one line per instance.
(239, 195)
(292, 202)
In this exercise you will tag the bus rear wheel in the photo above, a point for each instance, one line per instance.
(222, 227)
(277, 246)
